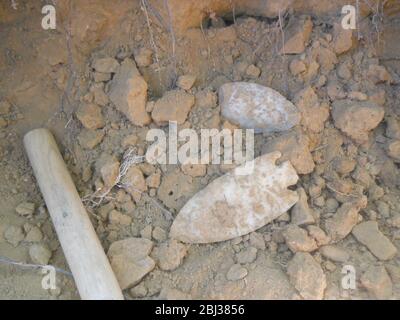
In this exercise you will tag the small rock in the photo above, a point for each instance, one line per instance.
(342, 39)
(236, 272)
(343, 165)
(186, 81)
(393, 150)
(307, 276)
(334, 253)
(147, 232)
(34, 235)
(257, 240)
(116, 217)
(377, 282)
(144, 57)
(25, 209)
(169, 255)
(319, 235)
(159, 234)
(109, 171)
(393, 128)
(39, 254)
(128, 92)
(342, 222)
(5, 107)
(297, 239)
(356, 118)
(301, 214)
(173, 106)
(90, 116)
(89, 139)
(327, 59)
(130, 260)
(297, 66)
(331, 205)
(154, 180)
(253, 106)
(14, 235)
(252, 71)
(105, 65)
(378, 74)
(369, 235)
(313, 113)
(297, 34)
(247, 255)
(101, 77)
(139, 291)
(134, 182)
(294, 147)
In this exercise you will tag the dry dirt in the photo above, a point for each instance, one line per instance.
(346, 149)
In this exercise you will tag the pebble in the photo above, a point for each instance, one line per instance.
(25, 209)
(301, 213)
(369, 235)
(236, 272)
(297, 239)
(248, 255)
(14, 235)
(40, 254)
(334, 253)
(378, 283)
(169, 255)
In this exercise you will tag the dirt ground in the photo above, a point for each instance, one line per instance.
(346, 149)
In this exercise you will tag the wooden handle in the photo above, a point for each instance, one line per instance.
(89, 265)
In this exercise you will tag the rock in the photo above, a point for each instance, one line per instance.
(39, 254)
(128, 92)
(297, 239)
(109, 171)
(319, 235)
(393, 150)
(100, 98)
(116, 217)
(154, 180)
(14, 235)
(147, 232)
(307, 276)
(393, 128)
(169, 255)
(130, 260)
(297, 34)
(257, 240)
(378, 74)
(297, 66)
(313, 114)
(247, 255)
(174, 105)
(344, 71)
(301, 214)
(144, 57)
(327, 59)
(342, 222)
(369, 235)
(34, 235)
(186, 81)
(5, 107)
(90, 116)
(134, 183)
(236, 272)
(343, 165)
(253, 72)
(334, 253)
(89, 139)
(377, 282)
(139, 291)
(105, 65)
(101, 77)
(253, 106)
(159, 234)
(356, 118)
(342, 39)
(294, 147)
(25, 209)
(234, 205)
(357, 95)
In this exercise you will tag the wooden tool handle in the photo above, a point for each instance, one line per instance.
(89, 265)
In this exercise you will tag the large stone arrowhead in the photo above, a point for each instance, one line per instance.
(234, 205)
(254, 106)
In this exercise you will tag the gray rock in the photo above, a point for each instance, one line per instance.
(236, 272)
(25, 209)
(334, 253)
(253, 106)
(301, 213)
(40, 254)
(377, 281)
(14, 235)
(369, 234)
